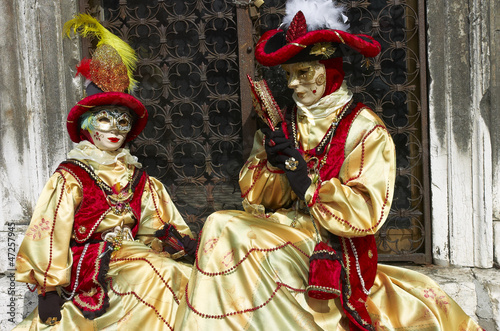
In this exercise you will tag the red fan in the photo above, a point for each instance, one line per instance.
(265, 105)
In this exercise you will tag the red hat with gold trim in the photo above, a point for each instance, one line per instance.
(312, 30)
(108, 75)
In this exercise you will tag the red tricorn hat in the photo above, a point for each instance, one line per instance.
(108, 75)
(299, 44)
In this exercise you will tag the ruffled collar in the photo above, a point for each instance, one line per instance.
(326, 105)
(86, 151)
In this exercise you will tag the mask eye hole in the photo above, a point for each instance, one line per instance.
(124, 122)
(303, 73)
(104, 120)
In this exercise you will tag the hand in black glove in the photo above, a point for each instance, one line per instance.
(189, 244)
(275, 143)
(175, 241)
(49, 307)
(281, 151)
(295, 170)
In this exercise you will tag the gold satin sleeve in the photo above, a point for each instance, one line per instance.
(158, 209)
(39, 250)
(358, 202)
(260, 182)
(354, 204)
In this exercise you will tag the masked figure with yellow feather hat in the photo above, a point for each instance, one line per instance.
(102, 243)
(302, 256)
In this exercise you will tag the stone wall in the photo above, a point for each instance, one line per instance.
(494, 95)
(464, 99)
(36, 90)
(460, 69)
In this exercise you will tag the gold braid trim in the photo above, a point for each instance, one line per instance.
(299, 45)
(347, 265)
(324, 251)
(340, 37)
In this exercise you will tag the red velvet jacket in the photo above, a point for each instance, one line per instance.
(91, 254)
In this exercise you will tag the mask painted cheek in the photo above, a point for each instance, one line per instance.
(96, 135)
(320, 80)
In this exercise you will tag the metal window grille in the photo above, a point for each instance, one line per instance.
(194, 57)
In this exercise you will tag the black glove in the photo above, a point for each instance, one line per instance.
(49, 307)
(175, 241)
(295, 170)
(275, 143)
(189, 244)
(280, 150)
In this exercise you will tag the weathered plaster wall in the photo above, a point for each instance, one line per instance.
(460, 103)
(36, 91)
(495, 120)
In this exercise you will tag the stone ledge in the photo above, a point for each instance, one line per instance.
(476, 290)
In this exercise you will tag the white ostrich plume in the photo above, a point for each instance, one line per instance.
(319, 14)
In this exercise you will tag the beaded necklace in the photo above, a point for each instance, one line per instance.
(117, 198)
(316, 167)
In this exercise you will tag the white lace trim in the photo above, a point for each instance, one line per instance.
(85, 150)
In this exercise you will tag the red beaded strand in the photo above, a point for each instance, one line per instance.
(277, 171)
(363, 152)
(259, 167)
(248, 310)
(154, 269)
(151, 191)
(52, 233)
(141, 300)
(267, 250)
(326, 211)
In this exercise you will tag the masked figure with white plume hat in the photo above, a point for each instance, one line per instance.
(302, 256)
(102, 242)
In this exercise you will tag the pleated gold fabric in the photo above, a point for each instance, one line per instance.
(251, 271)
(144, 286)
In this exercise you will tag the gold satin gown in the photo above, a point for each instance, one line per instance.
(146, 286)
(252, 266)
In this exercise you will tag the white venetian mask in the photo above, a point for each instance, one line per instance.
(109, 127)
(307, 80)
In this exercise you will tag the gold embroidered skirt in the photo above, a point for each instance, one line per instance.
(144, 289)
(252, 273)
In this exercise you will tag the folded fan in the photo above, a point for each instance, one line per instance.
(265, 105)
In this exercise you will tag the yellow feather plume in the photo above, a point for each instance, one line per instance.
(88, 27)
